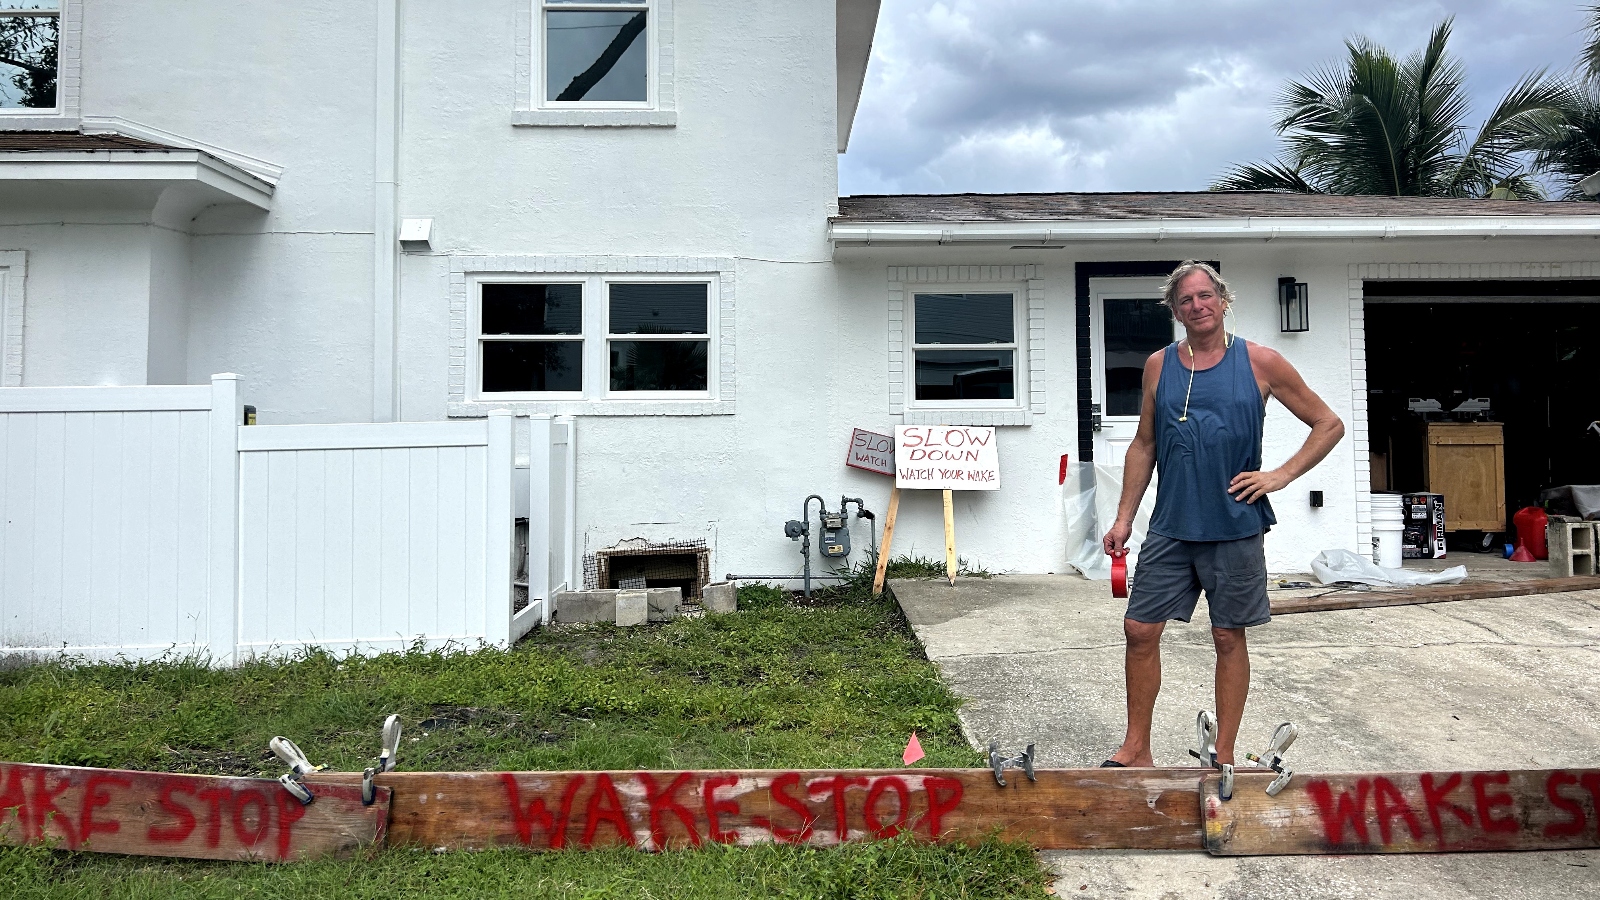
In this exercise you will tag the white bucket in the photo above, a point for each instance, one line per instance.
(1388, 529)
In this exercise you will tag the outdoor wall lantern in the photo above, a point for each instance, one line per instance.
(1294, 305)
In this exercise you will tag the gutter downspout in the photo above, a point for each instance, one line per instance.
(385, 236)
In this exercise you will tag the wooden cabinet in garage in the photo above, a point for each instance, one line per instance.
(1466, 462)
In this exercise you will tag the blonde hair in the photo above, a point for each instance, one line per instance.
(1169, 288)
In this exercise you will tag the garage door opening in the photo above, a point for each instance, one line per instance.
(1530, 348)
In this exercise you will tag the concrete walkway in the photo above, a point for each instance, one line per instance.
(1511, 682)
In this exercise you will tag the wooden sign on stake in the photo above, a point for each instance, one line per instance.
(1405, 812)
(946, 458)
(1155, 809)
(194, 816)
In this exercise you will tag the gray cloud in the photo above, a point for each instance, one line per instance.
(1037, 95)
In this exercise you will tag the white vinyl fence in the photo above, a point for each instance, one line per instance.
(144, 520)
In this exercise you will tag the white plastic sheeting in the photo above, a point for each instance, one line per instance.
(1342, 565)
(1089, 498)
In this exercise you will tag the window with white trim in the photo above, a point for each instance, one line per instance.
(30, 46)
(965, 350)
(564, 337)
(595, 54)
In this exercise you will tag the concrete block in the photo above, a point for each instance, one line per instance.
(1572, 547)
(720, 597)
(586, 606)
(664, 603)
(633, 607)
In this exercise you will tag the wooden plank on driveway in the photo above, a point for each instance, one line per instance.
(1443, 593)
(1154, 809)
(195, 816)
(1405, 812)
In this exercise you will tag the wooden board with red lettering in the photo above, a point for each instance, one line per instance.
(1155, 809)
(195, 816)
(1405, 812)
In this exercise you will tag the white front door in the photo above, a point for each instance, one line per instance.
(1127, 324)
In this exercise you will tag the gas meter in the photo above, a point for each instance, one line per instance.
(835, 536)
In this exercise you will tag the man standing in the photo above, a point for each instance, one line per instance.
(1200, 424)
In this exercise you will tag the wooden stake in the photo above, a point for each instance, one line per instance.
(949, 538)
(888, 539)
(1444, 593)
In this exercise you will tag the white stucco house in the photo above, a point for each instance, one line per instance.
(627, 212)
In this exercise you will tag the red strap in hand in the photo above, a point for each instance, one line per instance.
(1119, 573)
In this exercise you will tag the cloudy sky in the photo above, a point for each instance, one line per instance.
(1116, 95)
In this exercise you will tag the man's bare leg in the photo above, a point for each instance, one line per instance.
(1142, 666)
(1233, 686)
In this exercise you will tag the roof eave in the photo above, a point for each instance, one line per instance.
(856, 23)
(228, 182)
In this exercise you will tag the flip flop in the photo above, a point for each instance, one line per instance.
(1113, 764)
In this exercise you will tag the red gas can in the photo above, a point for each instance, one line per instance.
(1530, 523)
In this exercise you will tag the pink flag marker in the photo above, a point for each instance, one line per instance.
(913, 750)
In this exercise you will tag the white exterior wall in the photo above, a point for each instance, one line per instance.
(748, 174)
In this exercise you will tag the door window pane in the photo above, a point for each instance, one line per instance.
(965, 319)
(655, 308)
(28, 45)
(533, 309)
(966, 375)
(596, 55)
(532, 366)
(1134, 329)
(658, 365)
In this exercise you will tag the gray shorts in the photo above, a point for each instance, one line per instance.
(1170, 573)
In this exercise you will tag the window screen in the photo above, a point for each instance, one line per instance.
(596, 55)
(30, 35)
(1134, 329)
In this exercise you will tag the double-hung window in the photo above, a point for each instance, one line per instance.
(964, 349)
(594, 337)
(30, 43)
(595, 54)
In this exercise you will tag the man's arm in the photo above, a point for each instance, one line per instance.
(1326, 429)
(1140, 463)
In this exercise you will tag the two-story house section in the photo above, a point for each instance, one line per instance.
(627, 211)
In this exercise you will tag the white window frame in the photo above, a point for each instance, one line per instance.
(68, 67)
(596, 273)
(582, 337)
(532, 107)
(1026, 285)
(1018, 345)
(608, 336)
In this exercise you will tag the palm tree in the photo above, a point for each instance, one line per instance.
(1378, 125)
(1569, 151)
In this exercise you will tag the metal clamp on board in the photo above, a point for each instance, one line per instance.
(293, 781)
(1206, 734)
(1000, 763)
(386, 760)
(1273, 757)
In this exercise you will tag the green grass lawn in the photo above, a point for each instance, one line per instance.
(838, 682)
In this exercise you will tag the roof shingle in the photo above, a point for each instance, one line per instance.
(57, 141)
(1178, 205)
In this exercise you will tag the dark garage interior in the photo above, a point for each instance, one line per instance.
(1532, 348)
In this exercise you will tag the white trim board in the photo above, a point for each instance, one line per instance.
(1031, 277)
(13, 300)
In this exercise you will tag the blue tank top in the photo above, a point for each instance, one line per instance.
(1198, 458)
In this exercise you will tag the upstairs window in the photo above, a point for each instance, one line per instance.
(596, 53)
(964, 349)
(30, 41)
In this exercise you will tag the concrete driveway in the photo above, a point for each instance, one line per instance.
(1505, 683)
